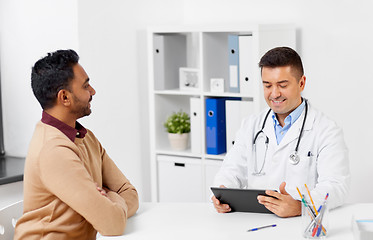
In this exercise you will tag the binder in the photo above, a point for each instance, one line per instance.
(233, 60)
(215, 125)
(247, 64)
(235, 112)
(169, 54)
(195, 125)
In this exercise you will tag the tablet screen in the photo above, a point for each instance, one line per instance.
(241, 200)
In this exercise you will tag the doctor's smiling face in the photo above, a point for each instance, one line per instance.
(282, 89)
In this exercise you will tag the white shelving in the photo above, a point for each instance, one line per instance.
(204, 48)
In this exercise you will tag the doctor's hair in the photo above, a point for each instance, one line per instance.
(281, 57)
(51, 74)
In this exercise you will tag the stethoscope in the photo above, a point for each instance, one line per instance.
(293, 158)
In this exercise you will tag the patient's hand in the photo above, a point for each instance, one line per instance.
(101, 191)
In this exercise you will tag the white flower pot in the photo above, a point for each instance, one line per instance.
(178, 142)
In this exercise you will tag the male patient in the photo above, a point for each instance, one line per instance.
(72, 188)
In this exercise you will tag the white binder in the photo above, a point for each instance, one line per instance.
(195, 125)
(169, 54)
(235, 112)
(233, 58)
(247, 65)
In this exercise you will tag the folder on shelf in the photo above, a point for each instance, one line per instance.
(233, 60)
(159, 62)
(235, 112)
(169, 54)
(215, 125)
(195, 125)
(246, 64)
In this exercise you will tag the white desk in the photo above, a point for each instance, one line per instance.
(201, 221)
(10, 193)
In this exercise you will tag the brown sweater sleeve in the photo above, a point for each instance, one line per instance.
(68, 179)
(114, 179)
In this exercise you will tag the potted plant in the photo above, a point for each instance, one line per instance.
(178, 128)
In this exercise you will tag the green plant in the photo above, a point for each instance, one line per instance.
(178, 123)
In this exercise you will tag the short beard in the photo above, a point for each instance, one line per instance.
(82, 111)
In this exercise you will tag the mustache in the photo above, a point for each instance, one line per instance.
(90, 99)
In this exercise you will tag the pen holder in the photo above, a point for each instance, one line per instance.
(315, 220)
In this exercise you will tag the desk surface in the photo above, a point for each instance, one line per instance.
(201, 221)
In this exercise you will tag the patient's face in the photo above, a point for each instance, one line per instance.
(81, 92)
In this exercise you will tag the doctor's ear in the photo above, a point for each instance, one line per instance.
(63, 97)
(302, 82)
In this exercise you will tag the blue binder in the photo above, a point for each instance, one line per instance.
(215, 125)
(234, 73)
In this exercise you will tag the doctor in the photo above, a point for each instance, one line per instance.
(287, 146)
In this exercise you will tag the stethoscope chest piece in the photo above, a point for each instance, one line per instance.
(294, 158)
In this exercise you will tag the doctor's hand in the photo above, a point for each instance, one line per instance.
(220, 208)
(284, 206)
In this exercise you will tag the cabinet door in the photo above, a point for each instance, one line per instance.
(179, 179)
(211, 169)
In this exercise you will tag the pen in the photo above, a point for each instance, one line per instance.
(306, 205)
(313, 204)
(310, 210)
(299, 192)
(326, 198)
(318, 220)
(254, 229)
(322, 209)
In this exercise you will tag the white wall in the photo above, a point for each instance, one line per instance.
(28, 30)
(334, 40)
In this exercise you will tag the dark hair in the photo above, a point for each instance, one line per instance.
(283, 56)
(51, 74)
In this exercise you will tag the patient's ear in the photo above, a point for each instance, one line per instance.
(63, 97)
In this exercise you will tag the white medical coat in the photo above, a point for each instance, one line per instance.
(325, 171)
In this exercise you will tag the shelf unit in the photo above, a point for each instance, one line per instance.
(204, 48)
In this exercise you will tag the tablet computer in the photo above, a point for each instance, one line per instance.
(241, 200)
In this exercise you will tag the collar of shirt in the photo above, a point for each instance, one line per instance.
(78, 132)
(289, 120)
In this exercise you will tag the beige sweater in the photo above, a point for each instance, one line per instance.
(60, 196)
